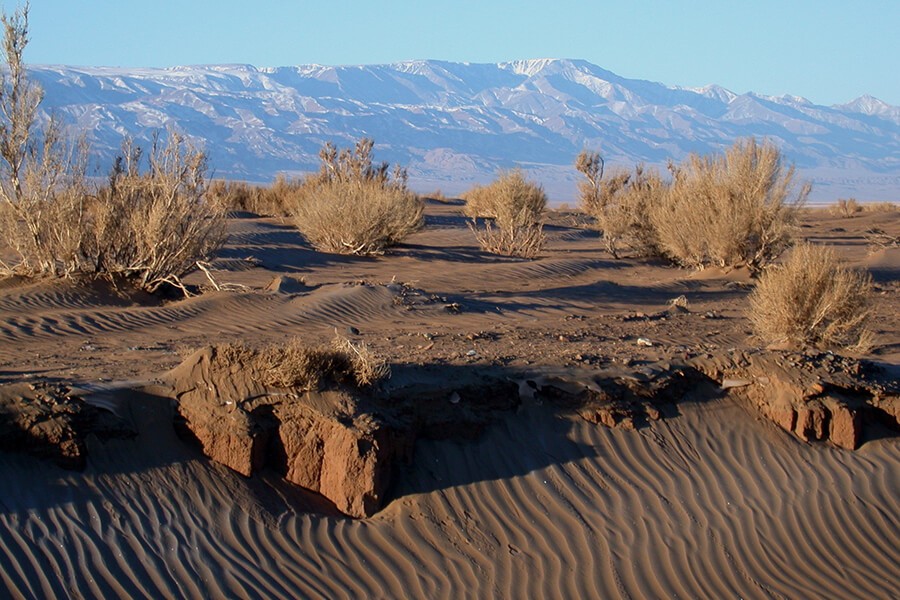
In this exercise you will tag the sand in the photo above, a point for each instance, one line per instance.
(711, 501)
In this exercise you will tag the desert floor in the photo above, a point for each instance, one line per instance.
(711, 501)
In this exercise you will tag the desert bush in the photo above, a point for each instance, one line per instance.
(515, 207)
(879, 207)
(477, 202)
(733, 209)
(590, 192)
(439, 196)
(355, 165)
(271, 201)
(524, 241)
(811, 301)
(148, 228)
(353, 207)
(846, 207)
(356, 218)
(619, 202)
(509, 194)
(151, 227)
(42, 172)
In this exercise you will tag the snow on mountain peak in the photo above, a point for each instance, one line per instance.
(539, 113)
(531, 67)
(716, 92)
(868, 105)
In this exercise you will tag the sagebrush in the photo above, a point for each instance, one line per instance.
(271, 201)
(812, 301)
(151, 226)
(148, 228)
(846, 207)
(880, 207)
(42, 171)
(513, 210)
(732, 209)
(620, 202)
(353, 207)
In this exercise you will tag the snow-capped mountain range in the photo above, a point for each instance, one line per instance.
(453, 124)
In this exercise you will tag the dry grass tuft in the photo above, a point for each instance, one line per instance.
(297, 366)
(514, 209)
(367, 369)
(812, 301)
(846, 207)
(306, 368)
(353, 207)
(728, 210)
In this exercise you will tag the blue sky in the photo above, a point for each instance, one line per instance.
(828, 51)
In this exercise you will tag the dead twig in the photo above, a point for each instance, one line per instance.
(205, 268)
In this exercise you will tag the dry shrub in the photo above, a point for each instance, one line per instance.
(729, 210)
(270, 201)
(514, 209)
(879, 207)
(42, 173)
(879, 239)
(355, 165)
(295, 365)
(846, 207)
(478, 202)
(620, 202)
(356, 218)
(509, 198)
(234, 195)
(591, 192)
(811, 301)
(305, 368)
(438, 196)
(521, 241)
(151, 227)
(353, 207)
(148, 228)
(42, 212)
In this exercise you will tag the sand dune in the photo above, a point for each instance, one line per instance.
(709, 502)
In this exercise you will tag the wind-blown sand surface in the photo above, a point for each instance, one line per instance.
(711, 501)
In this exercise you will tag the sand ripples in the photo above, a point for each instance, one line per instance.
(324, 307)
(708, 504)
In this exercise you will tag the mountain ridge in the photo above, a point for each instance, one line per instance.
(454, 124)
